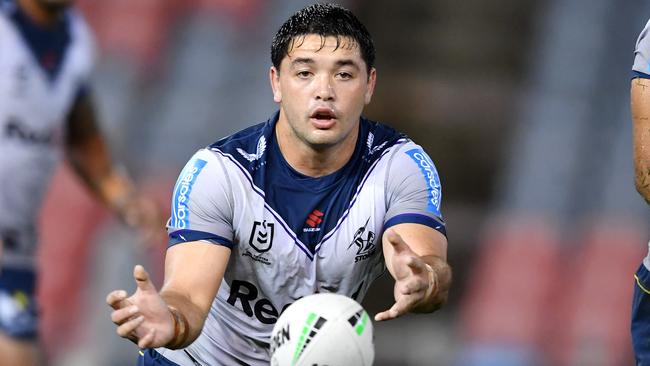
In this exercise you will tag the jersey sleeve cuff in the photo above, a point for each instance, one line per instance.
(642, 277)
(184, 236)
(638, 74)
(412, 218)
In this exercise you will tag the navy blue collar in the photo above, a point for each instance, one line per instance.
(48, 44)
(316, 184)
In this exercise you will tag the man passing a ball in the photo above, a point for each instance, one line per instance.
(315, 199)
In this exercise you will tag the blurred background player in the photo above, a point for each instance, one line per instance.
(273, 212)
(46, 113)
(640, 108)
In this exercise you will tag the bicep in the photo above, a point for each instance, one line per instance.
(202, 202)
(422, 239)
(194, 270)
(640, 100)
(82, 124)
(640, 109)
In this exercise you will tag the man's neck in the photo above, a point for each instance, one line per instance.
(38, 14)
(314, 162)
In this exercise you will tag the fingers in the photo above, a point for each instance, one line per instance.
(115, 299)
(407, 294)
(127, 328)
(395, 311)
(142, 279)
(120, 316)
(384, 315)
(147, 340)
(413, 286)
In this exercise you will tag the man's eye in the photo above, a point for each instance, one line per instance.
(345, 75)
(303, 74)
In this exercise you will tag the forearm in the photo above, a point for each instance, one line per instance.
(642, 179)
(91, 162)
(190, 313)
(89, 156)
(440, 281)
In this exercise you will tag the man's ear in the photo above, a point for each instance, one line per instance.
(372, 80)
(274, 77)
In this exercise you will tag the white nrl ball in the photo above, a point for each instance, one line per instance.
(323, 330)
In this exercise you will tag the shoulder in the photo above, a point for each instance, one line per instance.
(409, 162)
(247, 147)
(242, 138)
(643, 33)
(641, 66)
(409, 155)
(204, 168)
(380, 139)
(6, 9)
(383, 139)
(80, 30)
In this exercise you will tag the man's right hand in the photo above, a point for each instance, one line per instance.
(143, 317)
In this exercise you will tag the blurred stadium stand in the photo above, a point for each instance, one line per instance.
(523, 105)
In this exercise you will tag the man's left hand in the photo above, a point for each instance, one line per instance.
(415, 281)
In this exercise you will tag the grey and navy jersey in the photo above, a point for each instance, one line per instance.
(641, 66)
(293, 235)
(41, 74)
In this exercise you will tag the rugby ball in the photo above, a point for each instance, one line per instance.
(324, 330)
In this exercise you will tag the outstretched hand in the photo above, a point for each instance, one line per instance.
(415, 281)
(143, 317)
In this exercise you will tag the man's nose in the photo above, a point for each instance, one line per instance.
(325, 90)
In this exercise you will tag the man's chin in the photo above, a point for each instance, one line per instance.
(323, 138)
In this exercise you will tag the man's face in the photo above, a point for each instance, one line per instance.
(322, 89)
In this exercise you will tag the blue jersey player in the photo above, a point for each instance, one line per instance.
(315, 199)
(46, 112)
(640, 108)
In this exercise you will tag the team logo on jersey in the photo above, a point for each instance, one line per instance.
(370, 141)
(364, 240)
(261, 147)
(262, 236)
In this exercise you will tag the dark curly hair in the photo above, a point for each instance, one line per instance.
(325, 20)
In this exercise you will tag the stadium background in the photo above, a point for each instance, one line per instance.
(522, 104)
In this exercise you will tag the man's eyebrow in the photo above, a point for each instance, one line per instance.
(346, 62)
(310, 61)
(302, 60)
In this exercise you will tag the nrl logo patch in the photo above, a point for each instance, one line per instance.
(261, 238)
